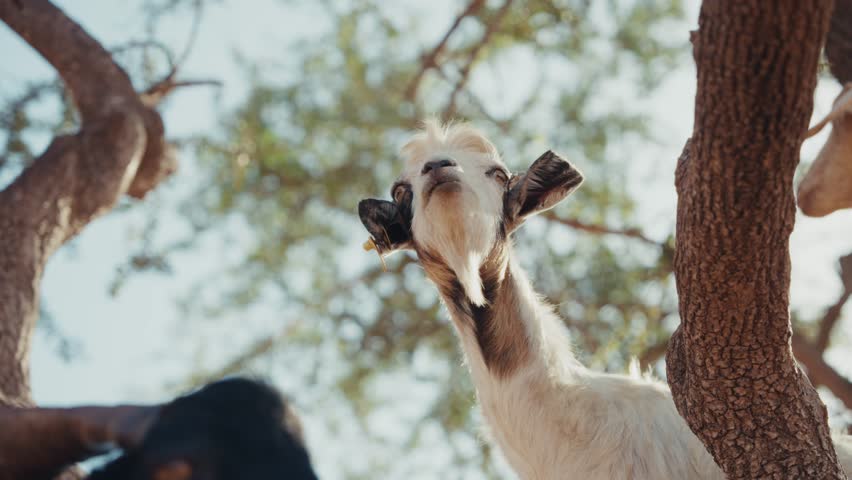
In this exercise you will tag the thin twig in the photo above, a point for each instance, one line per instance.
(820, 372)
(602, 229)
(160, 90)
(430, 60)
(832, 315)
(829, 320)
(239, 363)
(193, 36)
(505, 126)
(32, 93)
(492, 26)
(652, 354)
(145, 44)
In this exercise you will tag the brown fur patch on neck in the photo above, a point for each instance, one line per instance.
(500, 333)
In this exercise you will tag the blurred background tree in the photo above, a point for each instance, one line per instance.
(268, 199)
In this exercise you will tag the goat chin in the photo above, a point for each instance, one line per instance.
(462, 239)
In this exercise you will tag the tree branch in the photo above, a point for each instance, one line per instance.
(37, 443)
(194, 28)
(476, 102)
(119, 149)
(826, 325)
(652, 354)
(820, 372)
(430, 60)
(146, 44)
(490, 28)
(16, 106)
(160, 90)
(597, 229)
(240, 362)
(832, 315)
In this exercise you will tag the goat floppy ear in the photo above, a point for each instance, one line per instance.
(547, 182)
(842, 105)
(388, 223)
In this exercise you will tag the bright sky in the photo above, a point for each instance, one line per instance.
(132, 343)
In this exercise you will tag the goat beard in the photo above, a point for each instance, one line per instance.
(462, 238)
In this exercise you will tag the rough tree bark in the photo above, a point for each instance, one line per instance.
(730, 364)
(119, 149)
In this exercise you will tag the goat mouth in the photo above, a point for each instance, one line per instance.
(444, 184)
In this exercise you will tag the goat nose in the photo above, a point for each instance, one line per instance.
(436, 164)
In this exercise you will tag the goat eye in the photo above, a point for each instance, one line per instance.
(499, 174)
(399, 192)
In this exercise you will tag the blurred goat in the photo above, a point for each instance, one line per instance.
(827, 187)
(456, 205)
(228, 430)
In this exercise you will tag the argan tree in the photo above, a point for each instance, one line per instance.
(119, 150)
(317, 131)
(730, 363)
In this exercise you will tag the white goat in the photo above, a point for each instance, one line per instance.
(827, 187)
(456, 206)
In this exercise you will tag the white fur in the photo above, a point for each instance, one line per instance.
(553, 418)
(556, 419)
(463, 236)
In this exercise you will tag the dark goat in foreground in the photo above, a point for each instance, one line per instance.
(231, 429)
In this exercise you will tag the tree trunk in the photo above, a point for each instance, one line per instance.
(730, 364)
(119, 149)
